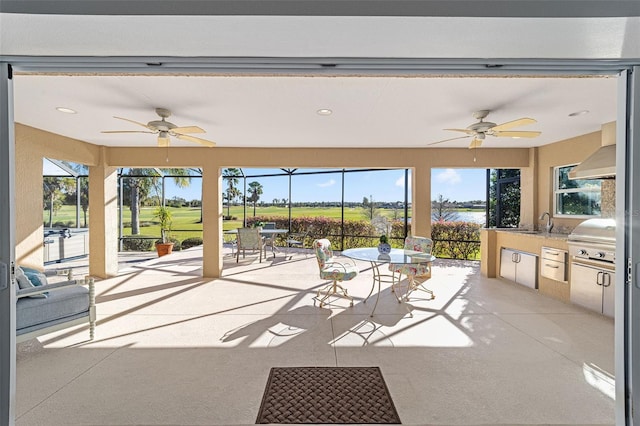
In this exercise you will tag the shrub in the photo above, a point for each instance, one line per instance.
(191, 242)
(456, 240)
(136, 244)
(67, 224)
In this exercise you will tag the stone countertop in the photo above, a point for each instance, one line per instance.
(535, 234)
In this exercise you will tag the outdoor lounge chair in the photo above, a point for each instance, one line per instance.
(43, 307)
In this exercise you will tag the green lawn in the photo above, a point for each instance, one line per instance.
(186, 219)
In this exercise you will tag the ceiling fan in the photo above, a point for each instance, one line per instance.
(165, 129)
(483, 128)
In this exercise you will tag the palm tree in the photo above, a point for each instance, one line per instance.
(142, 182)
(231, 175)
(255, 189)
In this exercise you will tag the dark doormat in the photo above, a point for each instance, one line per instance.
(327, 395)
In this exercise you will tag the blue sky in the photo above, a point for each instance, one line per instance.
(387, 185)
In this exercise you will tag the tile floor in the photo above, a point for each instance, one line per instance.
(172, 348)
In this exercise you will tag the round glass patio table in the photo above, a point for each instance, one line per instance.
(377, 259)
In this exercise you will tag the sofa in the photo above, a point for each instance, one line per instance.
(43, 307)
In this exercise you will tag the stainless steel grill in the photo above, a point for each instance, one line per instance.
(592, 247)
(594, 240)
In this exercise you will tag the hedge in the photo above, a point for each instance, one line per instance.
(456, 240)
(191, 242)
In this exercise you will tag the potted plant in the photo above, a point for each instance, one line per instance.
(163, 214)
(384, 247)
(382, 225)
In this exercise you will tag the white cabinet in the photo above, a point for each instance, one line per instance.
(519, 266)
(593, 288)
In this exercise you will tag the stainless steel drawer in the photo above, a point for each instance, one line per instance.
(554, 254)
(553, 264)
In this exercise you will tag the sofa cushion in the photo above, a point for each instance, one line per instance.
(60, 304)
(24, 282)
(36, 277)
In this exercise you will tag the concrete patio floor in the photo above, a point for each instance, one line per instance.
(172, 348)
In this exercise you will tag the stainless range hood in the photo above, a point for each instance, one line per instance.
(600, 165)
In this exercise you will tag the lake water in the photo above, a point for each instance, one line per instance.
(476, 217)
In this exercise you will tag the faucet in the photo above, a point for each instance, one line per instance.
(549, 221)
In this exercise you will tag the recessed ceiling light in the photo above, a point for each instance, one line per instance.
(324, 111)
(577, 113)
(66, 110)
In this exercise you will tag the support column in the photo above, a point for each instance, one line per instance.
(212, 221)
(103, 219)
(28, 204)
(529, 191)
(421, 201)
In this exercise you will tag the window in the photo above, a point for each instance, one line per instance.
(575, 197)
(504, 198)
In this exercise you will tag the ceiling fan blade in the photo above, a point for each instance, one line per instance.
(188, 129)
(125, 131)
(447, 140)
(511, 124)
(163, 141)
(475, 143)
(467, 131)
(134, 122)
(517, 134)
(194, 139)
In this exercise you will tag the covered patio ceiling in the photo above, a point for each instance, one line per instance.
(287, 110)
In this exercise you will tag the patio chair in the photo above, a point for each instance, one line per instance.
(269, 241)
(296, 239)
(249, 239)
(333, 269)
(417, 273)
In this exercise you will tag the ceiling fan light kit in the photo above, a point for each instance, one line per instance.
(481, 129)
(165, 129)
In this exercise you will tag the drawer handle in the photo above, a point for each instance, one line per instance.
(551, 266)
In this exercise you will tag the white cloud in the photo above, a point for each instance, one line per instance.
(400, 182)
(448, 176)
(330, 182)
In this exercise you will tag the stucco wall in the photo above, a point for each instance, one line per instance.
(566, 152)
(30, 148)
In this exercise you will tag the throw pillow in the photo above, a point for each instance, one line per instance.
(36, 277)
(24, 282)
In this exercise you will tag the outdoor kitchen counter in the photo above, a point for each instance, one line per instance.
(535, 234)
(493, 240)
